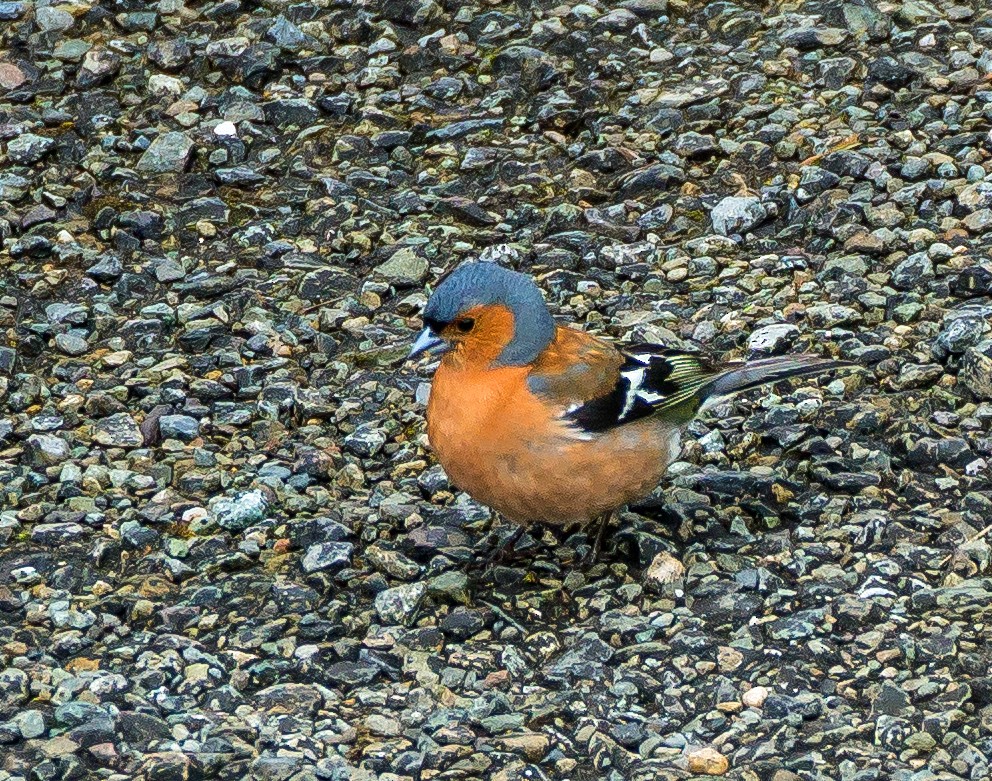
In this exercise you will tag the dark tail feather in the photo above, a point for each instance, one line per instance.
(755, 373)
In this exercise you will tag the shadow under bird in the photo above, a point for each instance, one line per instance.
(548, 424)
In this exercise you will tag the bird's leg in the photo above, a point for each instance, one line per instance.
(488, 558)
(507, 545)
(597, 544)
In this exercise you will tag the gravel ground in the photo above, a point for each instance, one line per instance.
(224, 549)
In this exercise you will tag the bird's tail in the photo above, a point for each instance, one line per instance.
(746, 376)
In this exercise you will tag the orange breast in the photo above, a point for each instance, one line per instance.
(506, 449)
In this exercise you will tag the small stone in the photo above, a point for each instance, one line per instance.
(392, 562)
(404, 267)
(327, 556)
(383, 725)
(136, 536)
(28, 148)
(58, 747)
(890, 72)
(366, 440)
(400, 604)
(182, 427)
(118, 430)
(57, 533)
(976, 196)
(664, 569)
(773, 339)
(11, 10)
(31, 724)
(242, 510)
(737, 214)
(295, 698)
(51, 19)
(978, 221)
(755, 696)
(11, 76)
(708, 762)
(451, 585)
(70, 344)
(108, 269)
(915, 270)
(168, 153)
(976, 370)
(169, 270)
(533, 745)
(98, 66)
(45, 450)
(921, 741)
(13, 689)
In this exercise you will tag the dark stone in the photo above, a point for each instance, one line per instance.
(890, 72)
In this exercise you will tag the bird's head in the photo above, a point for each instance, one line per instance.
(486, 313)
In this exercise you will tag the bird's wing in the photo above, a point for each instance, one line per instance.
(575, 368)
(595, 386)
(618, 387)
(652, 379)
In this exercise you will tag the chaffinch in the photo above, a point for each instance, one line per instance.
(548, 424)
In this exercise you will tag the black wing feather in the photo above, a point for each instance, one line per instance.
(652, 378)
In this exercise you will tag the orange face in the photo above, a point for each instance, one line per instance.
(478, 335)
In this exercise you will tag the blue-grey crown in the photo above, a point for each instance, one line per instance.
(483, 284)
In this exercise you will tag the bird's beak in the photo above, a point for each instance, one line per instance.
(428, 341)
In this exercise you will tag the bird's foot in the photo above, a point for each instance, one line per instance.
(502, 549)
(592, 556)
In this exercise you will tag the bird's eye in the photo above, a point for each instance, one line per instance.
(465, 325)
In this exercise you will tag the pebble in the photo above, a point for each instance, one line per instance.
(241, 510)
(400, 604)
(182, 427)
(755, 696)
(326, 556)
(772, 339)
(28, 148)
(118, 430)
(664, 569)
(168, 153)
(708, 762)
(737, 215)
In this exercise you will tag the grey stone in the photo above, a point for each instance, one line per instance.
(242, 510)
(915, 270)
(976, 370)
(404, 267)
(181, 427)
(168, 153)
(70, 344)
(10, 10)
(57, 533)
(399, 605)
(52, 19)
(366, 440)
(47, 450)
(773, 339)
(119, 430)
(737, 215)
(28, 148)
(978, 221)
(13, 690)
(107, 269)
(30, 723)
(327, 556)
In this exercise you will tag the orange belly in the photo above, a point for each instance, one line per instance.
(505, 450)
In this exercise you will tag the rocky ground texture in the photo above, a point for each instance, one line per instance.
(224, 549)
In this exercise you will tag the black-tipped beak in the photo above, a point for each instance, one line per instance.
(427, 342)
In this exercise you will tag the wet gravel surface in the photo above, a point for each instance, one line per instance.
(225, 551)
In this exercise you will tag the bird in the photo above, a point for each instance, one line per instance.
(548, 424)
